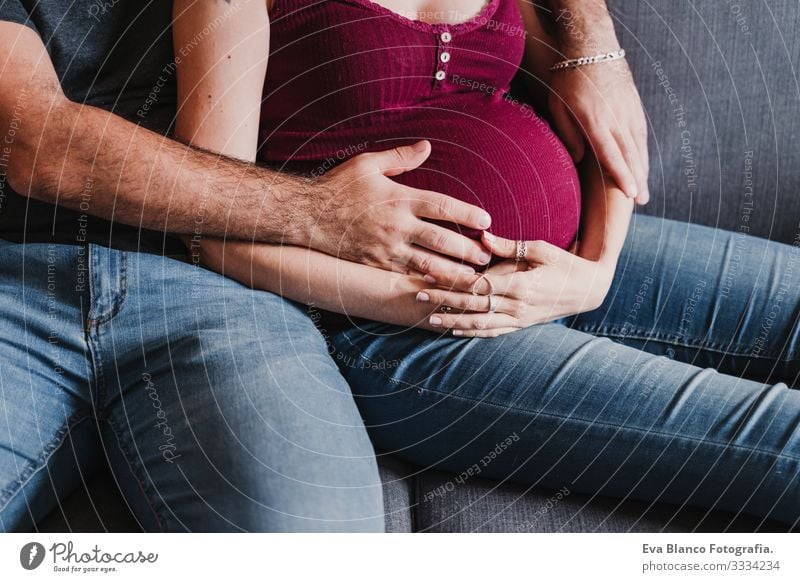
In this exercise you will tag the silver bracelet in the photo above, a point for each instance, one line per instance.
(582, 61)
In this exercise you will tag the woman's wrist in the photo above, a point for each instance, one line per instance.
(600, 276)
(398, 305)
(604, 265)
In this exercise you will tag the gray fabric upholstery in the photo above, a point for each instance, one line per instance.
(398, 499)
(732, 67)
(733, 74)
(486, 506)
(100, 507)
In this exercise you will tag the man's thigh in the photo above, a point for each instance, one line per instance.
(227, 412)
(47, 436)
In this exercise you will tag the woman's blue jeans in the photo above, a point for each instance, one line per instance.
(678, 389)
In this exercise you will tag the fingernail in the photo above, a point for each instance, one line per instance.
(429, 279)
(435, 320)
(484, 258)
(419, 147)
(489, 236)
(485, 221)
(458, 332)
(422, 296)
(467, 270)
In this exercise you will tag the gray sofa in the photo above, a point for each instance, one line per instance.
(727, 86)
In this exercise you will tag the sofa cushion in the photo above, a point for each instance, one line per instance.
(397, 477)
(479, 505)
(99, 506)
(722, 104)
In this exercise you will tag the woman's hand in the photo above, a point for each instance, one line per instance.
(548, 284)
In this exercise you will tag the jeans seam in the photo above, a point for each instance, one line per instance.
(643, 334)
(617, 426)
(134, 467)
(98, 370)
(121, 296)
(33, 468)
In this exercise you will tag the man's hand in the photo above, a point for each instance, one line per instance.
(600, 103)
(365, 217)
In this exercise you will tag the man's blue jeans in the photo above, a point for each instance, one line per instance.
(622, 401)
(218, 408)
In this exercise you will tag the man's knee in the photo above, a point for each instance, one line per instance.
(262, 426)
(263, 463)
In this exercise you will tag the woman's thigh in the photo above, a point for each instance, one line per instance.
(705, 296)
(558, 407)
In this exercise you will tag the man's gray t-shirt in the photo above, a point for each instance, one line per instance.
(113, 54)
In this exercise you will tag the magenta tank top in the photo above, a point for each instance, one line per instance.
(350, 76)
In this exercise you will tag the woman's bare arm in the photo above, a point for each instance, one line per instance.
(605, 216)
(218, 79)
(325, 282)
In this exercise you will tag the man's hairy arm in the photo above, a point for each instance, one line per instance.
(595, 29)
(137, 177)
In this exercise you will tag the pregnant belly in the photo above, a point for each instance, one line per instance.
(492, 154)
(507, 162)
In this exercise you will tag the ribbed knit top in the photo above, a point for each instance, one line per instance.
(350, 76)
